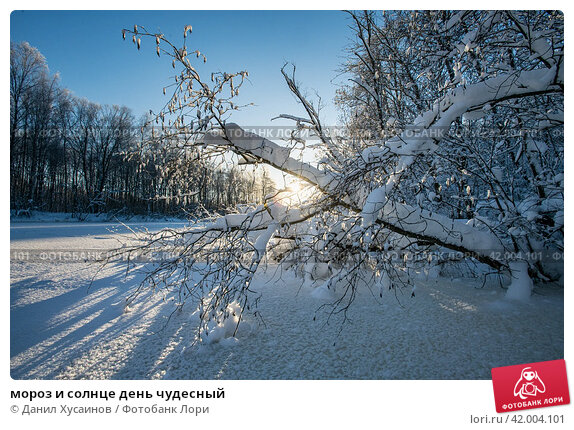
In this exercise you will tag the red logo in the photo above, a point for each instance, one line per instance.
(529, 386)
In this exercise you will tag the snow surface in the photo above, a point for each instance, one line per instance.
(63, 328)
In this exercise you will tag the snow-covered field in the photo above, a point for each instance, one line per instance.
(65, 327)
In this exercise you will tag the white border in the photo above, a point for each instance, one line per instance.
(280, 404)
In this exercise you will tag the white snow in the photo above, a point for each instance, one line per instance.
(536, 146)
(223, 330)
(276, 155)
(457, 102)
(324, 292)
(264, 238)
(454, 20)
(521, 285)
(63, 328)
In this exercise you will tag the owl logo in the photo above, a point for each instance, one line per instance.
(529, 384)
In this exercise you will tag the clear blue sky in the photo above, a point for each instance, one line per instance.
(87, 49)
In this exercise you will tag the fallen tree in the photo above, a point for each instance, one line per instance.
(421, 85)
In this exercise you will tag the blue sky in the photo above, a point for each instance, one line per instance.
(87, 49)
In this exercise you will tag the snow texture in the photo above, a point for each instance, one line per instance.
(63, 328)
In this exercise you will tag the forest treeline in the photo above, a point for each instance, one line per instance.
(68, 154)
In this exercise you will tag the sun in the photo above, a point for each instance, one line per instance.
(296, 193)
(296, 187)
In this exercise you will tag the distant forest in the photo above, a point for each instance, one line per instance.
(68, 154)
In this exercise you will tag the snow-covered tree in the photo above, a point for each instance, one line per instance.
(453, 143)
